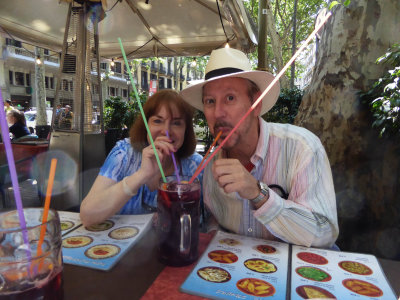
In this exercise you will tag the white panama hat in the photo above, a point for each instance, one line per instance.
(229, 62)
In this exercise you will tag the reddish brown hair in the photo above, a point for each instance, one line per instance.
(169, 99)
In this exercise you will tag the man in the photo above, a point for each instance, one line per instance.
(57, 118)
(270, 180)
(66, 118)
(7, 106)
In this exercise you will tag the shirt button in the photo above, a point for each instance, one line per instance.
(250, 229)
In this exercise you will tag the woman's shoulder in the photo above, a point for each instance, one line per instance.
(122, 150)
(195, 157)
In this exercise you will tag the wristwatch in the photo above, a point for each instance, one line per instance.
(264, 193)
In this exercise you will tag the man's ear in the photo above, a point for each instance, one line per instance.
(257, 109)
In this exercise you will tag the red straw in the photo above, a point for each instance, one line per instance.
(262, 95)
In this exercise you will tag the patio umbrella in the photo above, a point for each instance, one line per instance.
(146, 27)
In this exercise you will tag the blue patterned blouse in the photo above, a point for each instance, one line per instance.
(123, 161)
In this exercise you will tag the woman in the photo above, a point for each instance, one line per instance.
(128, 180)
(18, 124)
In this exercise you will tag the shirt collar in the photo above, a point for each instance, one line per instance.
(262, 145)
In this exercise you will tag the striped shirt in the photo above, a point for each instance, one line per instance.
(123, 161)
(293, 158)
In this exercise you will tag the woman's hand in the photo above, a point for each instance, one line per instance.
(149, 167)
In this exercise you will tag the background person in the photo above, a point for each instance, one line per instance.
(128, 180)
(58, 115)
(18, 126)
(270, 180)
(7, 106)
(66, 118)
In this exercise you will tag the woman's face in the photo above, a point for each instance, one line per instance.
(162, 121)
(10, 119)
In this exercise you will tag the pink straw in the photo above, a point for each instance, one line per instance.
(174, 161)
(13, 173)
(262, 95)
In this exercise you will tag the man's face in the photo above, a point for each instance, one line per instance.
(225, 101)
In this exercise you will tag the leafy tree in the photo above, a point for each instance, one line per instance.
(281, 12)
(384, 96)
(285, 109)
(121, 114)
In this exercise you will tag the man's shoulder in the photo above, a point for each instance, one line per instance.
(294, 133)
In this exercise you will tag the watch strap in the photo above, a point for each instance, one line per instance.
(264, 193)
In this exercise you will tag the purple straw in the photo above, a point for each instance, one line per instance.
(174, 161)
(14, 179)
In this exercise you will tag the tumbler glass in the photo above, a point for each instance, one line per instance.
(30, 270)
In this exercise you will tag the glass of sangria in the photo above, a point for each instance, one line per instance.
(178, 208)
(30, 270)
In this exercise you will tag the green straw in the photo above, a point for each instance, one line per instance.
(141, 110)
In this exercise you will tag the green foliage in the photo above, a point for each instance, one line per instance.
(383, 97)
(119, 113)
(283, 13)
(286, 108)
(334, 3)
(133, 107)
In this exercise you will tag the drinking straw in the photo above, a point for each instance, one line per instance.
(259, 99)
(46, 206)
(174, 161)
(13, 173)
(141, 110)
(208, 152)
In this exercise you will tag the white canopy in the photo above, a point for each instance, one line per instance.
(146, 27)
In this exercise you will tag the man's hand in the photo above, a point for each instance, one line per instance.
(232, 176)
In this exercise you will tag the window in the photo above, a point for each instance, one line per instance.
(28, 79)
(103, 66)
(52, 83)
(14, 43)
(71, 86)
(118, 67)
(19, 78)
(143, 80)
(46, 82)
(161, 83)
(65, 84)
(125, 93)
(112, 91)
(169, 83)
(46, 51)
(11, 77)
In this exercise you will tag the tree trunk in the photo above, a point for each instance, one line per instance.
(40, 91)
(366, 168)
(276, 44)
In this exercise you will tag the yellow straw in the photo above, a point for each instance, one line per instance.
(46, 205)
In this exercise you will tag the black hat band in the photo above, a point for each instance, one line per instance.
(222, 71)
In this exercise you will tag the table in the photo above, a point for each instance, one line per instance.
(138, 269)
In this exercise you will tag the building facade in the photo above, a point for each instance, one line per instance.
(17, 75)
